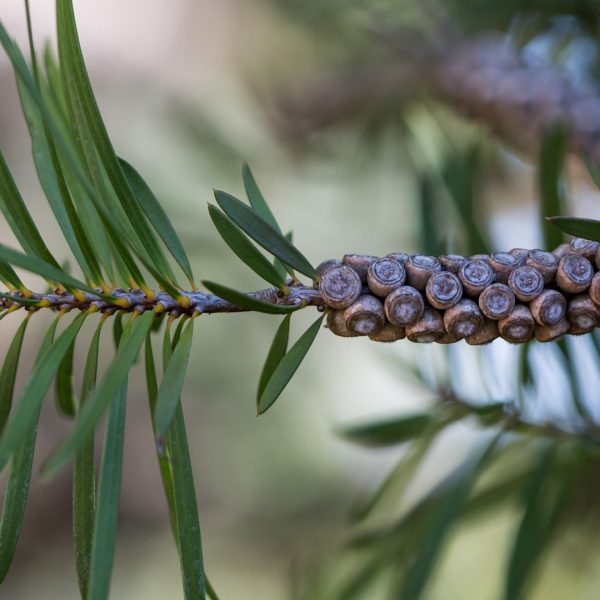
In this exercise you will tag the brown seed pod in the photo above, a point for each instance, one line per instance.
(597, 259)
(448, 339)
(401, 257)
(562, 250)
(545, 263)
(587, 248)
(365, 316)
(388, 333)
(496, 301)
(384, 275)
(404, 306)
(549, 333)
(574, 273)
(419, 269)
(526, 282)
(520, 254)
(428, 328)
(475, 276)
(549, 307)
(583, 314)
(339, 286)
(452, 262)
(594, 289)
(518, 326)
(487, 333)
(463, 319)
(443, 290)
(503, 264)
(324, 266)
(360, 263)
(336, 322)
(484, 257)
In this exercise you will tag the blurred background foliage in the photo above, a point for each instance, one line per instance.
(482, 472)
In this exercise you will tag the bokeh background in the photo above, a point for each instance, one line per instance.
(188, 89)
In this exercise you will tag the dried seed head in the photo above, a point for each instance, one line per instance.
(463, 319)
(583, 314)
(549, 333)
(365, 316)
(518, 326)
(475, 276)
(496, 301)
(487, 333)
(340, 286)
(503, 264)
(443, 290)
(428, 328)
(585, 247)
(360, 263)
(544, 262)
(549, 307)
(336, 322)
(452, 262)
(526, 282)
(520, 254)
(404, 306)
(385, 275)
(574, 273)
(419, 269)
(388, 333)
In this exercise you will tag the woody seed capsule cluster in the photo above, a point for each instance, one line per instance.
(517, 295)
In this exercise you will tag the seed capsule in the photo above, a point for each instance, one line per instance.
(365, 316)
(336, 322)
(594, 289)
(324, 266)
(549, 307)
(340, 286)
(404, 306)
(583, 314)
(419, 269)
(401, 257)
(503, 264)
(574, 273)
(526, 282)
(549, 333)
(448, 339)
(562, 250)
(452, 262)
(587, 248)
(518, 326)
(360, 263)
(388, 333)
(543, 262)
(475, 276)
(443, 290)
(463, 319)
(483, 257)
(487, 333)
(520, 254)
(385, 275)
(428, 328)
(496, 301)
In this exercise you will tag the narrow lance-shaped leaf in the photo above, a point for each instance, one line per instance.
(93, 409)
(9, 277)
(244, 249)
(17, 488)
(244, 301)
(263, 233)
(277, 351)
(588, 229)
(256, 198)
(65, 395)
(287, 367)
(84, 485)
(24, 415)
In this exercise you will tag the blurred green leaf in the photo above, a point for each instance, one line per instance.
(25, 414)
(593, 170)
(263, 233)
(9, 277)
(389, 432)
(257, 200)
(133, 338)
(244, 301)
(588, 229)
(243, 248)
(277, 351)
(65, 395)
(287, 367)
(282, 268)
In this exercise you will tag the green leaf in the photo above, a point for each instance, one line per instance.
(277, 351)
(244, 301)
(8, 373)
(256, 199)
(593, 170)
(24, 415)
(287, 367)
(588, 229)
(9, 277)
(157, 217)
(389, 432)
(65, 396)
(84, 484)
(551, 189)
(109, 489)
(243, 248)
(172, 383)
(92, 411)
(17, 488)
(263, 233)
